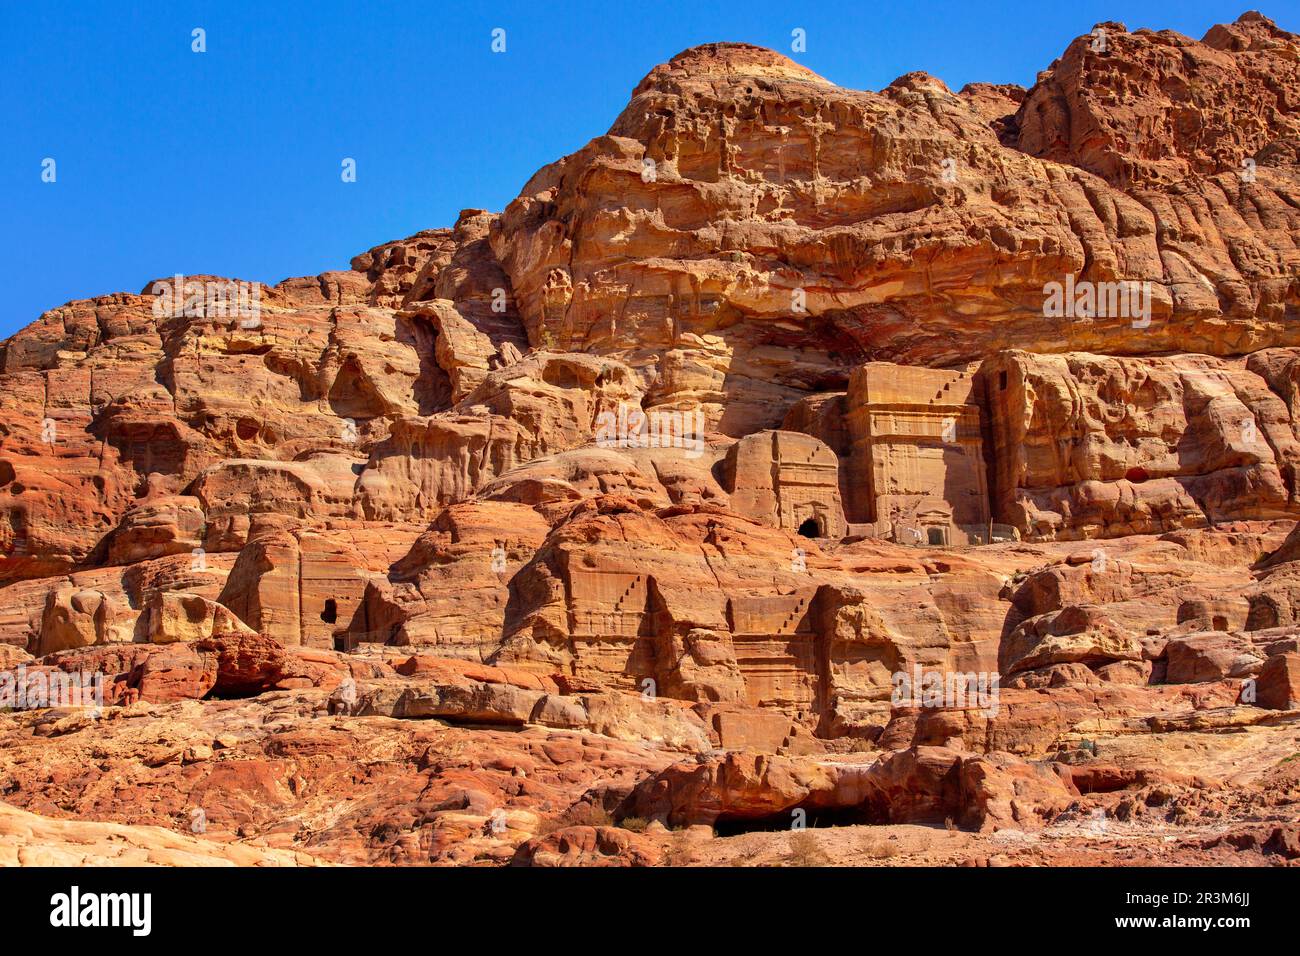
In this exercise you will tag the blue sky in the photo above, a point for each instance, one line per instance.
(228, 162)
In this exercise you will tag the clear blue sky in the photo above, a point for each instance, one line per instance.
(228, 162)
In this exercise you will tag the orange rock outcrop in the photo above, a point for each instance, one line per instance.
(903, 457)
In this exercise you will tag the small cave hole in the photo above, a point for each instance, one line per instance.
(809, 529)
(331, 612)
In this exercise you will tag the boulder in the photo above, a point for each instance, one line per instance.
(1210, 657)
(175, 616)
(1278, 684)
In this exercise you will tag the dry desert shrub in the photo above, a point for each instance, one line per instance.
(746, 858)
(578, 815)
(548, 825)
(805, 850)
(878, 848)
(681, 849)
(588, 815)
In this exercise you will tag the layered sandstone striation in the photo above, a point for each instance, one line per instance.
(902, 458)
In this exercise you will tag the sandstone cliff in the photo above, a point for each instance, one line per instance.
(769, 395)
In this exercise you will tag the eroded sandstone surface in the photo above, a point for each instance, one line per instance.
(749, 469)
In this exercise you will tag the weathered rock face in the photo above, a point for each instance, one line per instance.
(924, 784)
(1088, 446)
(1279, 682)
(1153, 109)
(30, 840)
(830, 196)
(172, 616)
(788, 447)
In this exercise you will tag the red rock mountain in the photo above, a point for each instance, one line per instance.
(667, 494)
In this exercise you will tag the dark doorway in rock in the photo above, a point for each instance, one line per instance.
(331, 612)
(810, 529)
(935, 536)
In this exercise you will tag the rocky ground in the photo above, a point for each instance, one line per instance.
(278, 780)
(385, 571)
